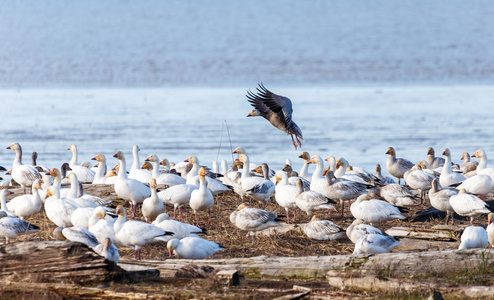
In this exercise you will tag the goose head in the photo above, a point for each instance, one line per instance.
(242, 206)
(287, 168)
(254, 113)
(152, 183)
(72, 148)
(164, 162)
(147, 166)
(202, 172)
(120, 211)
(315, 159)
(100, 212)
(239, 150)
(391, 151)
(14, 146)
(192, 159)
(446, 152)
(53, 172)
(152, 158)
(378, 168)
(304, 156)
(37, 184)
(430, 151)
(479, 153)
(100, 158)
(119, 155)
(172, 245)
(465, 155)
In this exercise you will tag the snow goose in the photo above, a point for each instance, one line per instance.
(76, 234)
(467, 165)
(361, 176)
(129, 189)
(59, 210)
(293, 176)
(247, 182)
(24, 175)
(343, 189)
(396, 194)
(262, 191)
(468, 205)
(420, 180)
(152, 206)
(111, 176)
(384, 179)
(397, 166)
(374, 244)
(99, 176)
(479, 185)
(374, 210)
(168, 179)
(3, 201)
(57, 182)
(136, 172)
(440, 199)
(434, 162)
(12, 227)
(253, 219)
(180, 230)
(285, 194)
(490, 229)
(177, 196)
(277, 110)
(26, 205)
(448, 177)
(317, 182)
(358, 228)
(305, 167)
(201, 198)
(482, 167)
(473, 237)
(137, 234)
(101, 225)
(215, 186)
(322, 230)
(165, 166)
(192, 248)
(40, 168)
(84, 174)
(310, 200)
(108, 250)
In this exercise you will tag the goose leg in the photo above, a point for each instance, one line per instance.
(287, 216)
(294, 215)
(298, 141)
(197, 220)
(293, 141)
(209, 217)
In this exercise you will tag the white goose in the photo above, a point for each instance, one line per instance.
(215, 186)
(253, 219)
(168, 179)
(322, 230)
(202, 198)
(490, 229)
(482, 166)
(108, 250)
(137, 234)
(285, 194)
(3, 201)
(479, 184)
(84, 174)
(440, 199)
(180, 230)
(99, 176)
(59, 210)
(192, 248)
(304, 171)
(374, 244)
(418, 179)
(24, 175)
(247, 182)
(26, 205)
(152, 206)
(317, 182)
(136, 172)
(177, 196)
(448, 177)
(397, 166)
(385, 180)
(101, 225)
(57, 182)
(362, 176)
(473, 237)
(12, 227)
(468, 205)
(358, 228)
(129, 189)
(309, 201)
(373, 210)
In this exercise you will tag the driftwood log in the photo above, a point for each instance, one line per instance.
(55, 261)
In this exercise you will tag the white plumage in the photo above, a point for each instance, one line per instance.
(192, 247)
(473, 237)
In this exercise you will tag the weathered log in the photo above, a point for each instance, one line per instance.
(55, 261)
(436, 233)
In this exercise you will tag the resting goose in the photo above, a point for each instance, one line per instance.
(479, 185)
(434, 162)
(358, 228)
(84, 174)
(137, 234)
(277, 110)
(247, 182)
(3, 201)
(373, 210)
(168, 179)
(192, 248)
(152, 206)
(26, 205)
(385, 180)
(468, 205)
(202, 198)
(355, 174)
(467, 165)
(448, 177)
(101, 225)
(285, 194)
(309, 201)
(253, 219)
(473, 237)
(24, 175)
(12, 227)
(397, 166)
(180, 230)
(59, 210)
(374, 244)
(322, 230)
(107, 250)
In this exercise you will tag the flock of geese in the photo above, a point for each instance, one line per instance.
(371, 197)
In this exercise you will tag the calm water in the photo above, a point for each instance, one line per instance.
(356, 123)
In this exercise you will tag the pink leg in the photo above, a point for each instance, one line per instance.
(298, 141)
(181, 216)
(294, 215)
(174, 213)
(287, 216)
(197, 220)
(209, 217)
(293, 141)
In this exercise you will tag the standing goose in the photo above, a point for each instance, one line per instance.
(440, 199)
(192, 248)
(152, 206)
(317, 182)
(468, 205)
(277, 110)
(448, 177)
(26, 205)
(136, 172)
(40, 168)
(253, 219)
(305, 167)
(285, 194)
(24, 175)
(99, 176)
(202, 198)
(137, 234)
(262, 191)
(343, 189)
(434, 162)
(247, 182)
(482, 167)
(129, 189)
(12, 227)
(397, 166)
(214, 185)
(84, 174)
(168, 179)
(418, 179)
(310, 200)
